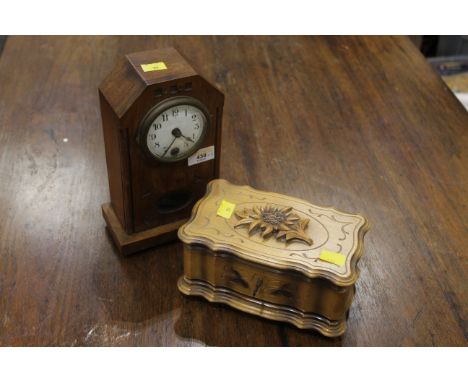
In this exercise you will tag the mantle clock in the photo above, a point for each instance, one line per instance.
(162, 133)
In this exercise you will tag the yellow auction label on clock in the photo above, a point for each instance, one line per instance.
(153, 66)
(332, 257)
(226, 209)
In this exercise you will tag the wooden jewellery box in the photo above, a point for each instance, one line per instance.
(272, 255)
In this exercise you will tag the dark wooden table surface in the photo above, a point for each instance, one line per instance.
(362, 124)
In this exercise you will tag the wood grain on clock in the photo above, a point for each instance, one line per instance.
(166, 177)
(128, 244)
(138, 182)
(360, 123)
(121, 95)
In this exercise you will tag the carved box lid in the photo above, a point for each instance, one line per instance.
(277, 231)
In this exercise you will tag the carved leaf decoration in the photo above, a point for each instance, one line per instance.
(278, 221)
(254, 225)
(244, 214)
(266, 232)
(245, 221)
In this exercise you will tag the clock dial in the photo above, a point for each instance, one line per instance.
(176, 132)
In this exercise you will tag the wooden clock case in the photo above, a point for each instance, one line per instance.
(151, 199)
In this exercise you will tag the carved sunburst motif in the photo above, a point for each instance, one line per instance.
(271, 220)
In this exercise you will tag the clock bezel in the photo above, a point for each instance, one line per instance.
(159, 108)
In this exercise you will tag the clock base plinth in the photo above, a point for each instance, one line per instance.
(128, 244)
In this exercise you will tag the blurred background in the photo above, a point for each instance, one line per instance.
(448, 55)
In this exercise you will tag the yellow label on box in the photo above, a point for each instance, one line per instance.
(226, 209)
(153, 66)
(332, 257)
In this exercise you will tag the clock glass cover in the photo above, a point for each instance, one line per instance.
(175, 132)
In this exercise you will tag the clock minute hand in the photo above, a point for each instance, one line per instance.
(165, 152)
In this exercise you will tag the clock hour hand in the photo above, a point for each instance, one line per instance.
(188, 139)
(177, 133)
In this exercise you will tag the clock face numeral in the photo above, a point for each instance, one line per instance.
(176, 132)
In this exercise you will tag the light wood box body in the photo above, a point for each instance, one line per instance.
(284, 281)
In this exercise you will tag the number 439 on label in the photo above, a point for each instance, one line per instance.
(202, 155)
